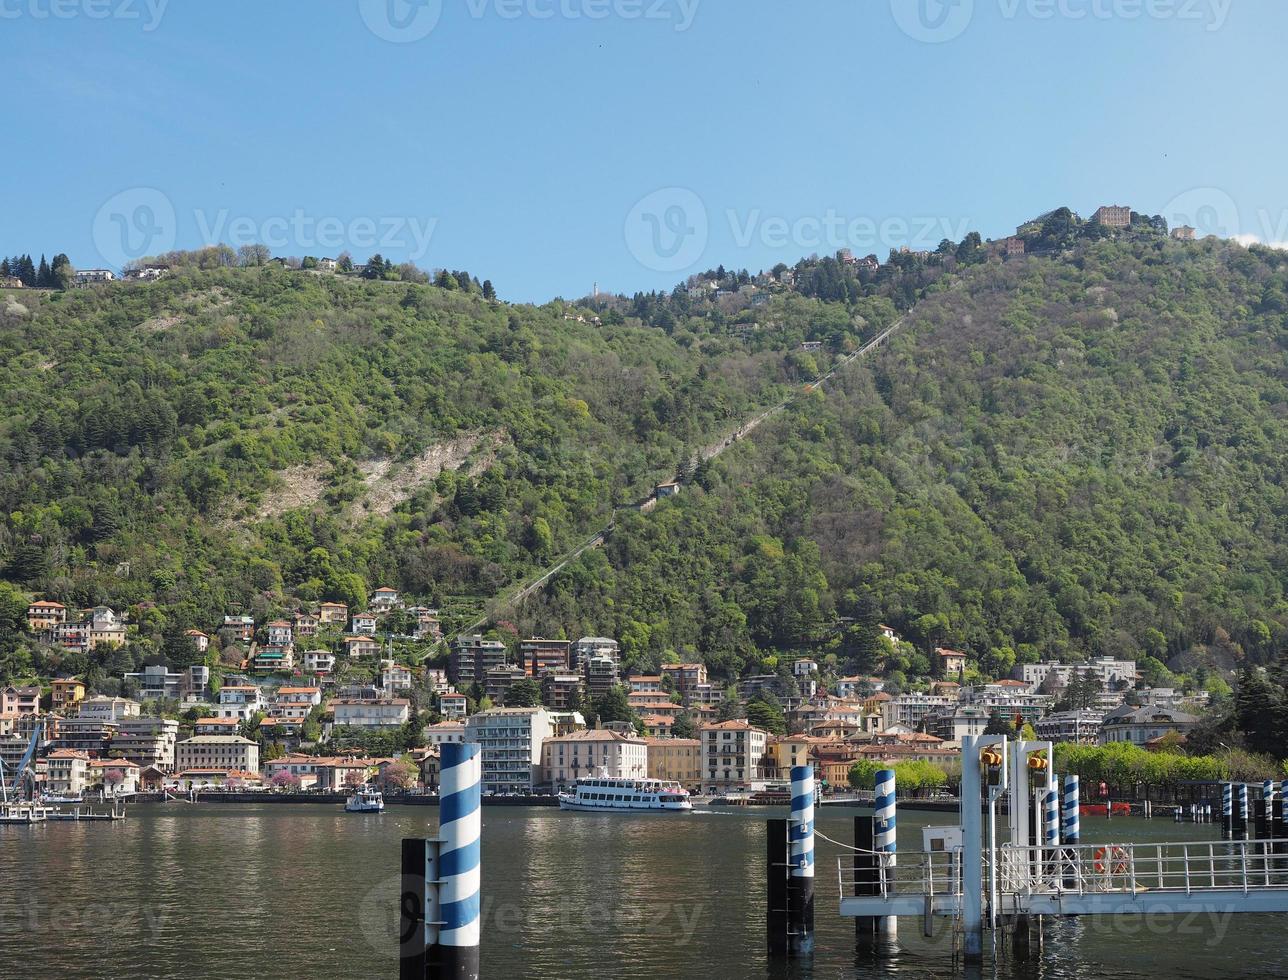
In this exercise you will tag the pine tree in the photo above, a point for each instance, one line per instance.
(44, 278)
(489, 293)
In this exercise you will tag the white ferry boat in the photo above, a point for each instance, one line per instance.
(593, 794)
(366, 799)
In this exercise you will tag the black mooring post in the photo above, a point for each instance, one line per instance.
(866, 878)
(412, 949)
(1261, 816)
(776, 886)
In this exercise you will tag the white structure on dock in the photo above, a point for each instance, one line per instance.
(982, 882)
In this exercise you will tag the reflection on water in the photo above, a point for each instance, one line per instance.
(308, 891)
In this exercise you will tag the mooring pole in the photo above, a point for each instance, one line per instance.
(776, 859)
(456, 957)
(417, 907)
(972, 854)
(1227, 811)
(800, 886)
(865, 878)
(884, 815)
(1241, 812)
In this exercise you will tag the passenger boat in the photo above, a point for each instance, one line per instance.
(61, 798)
(595, 794)
(366, 799)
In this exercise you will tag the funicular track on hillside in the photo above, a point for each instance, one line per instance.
(526, 590)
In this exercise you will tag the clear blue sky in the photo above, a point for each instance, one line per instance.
(525, 133)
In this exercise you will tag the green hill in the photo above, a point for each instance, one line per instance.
(1072, 456)
(1076, 453)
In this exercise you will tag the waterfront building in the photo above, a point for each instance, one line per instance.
(511, 740)
(676, 760)
(782, 752)
(591, 753)
(66, 772)
(215, 777)
(1144, 724)
(731, 755)
(226, 752)
(113, 776)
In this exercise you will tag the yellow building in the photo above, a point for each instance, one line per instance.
(785, 751)
(67, 691)
(678, 759)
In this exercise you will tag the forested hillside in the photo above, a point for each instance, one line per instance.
(253, 438)
(1070, 456)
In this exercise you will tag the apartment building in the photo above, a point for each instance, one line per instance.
(510, 740)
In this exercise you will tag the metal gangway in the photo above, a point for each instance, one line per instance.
(971, 878)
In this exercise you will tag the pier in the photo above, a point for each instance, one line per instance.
(965, 875)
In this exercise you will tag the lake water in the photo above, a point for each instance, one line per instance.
(308, 891)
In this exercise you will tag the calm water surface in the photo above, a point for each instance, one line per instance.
(309, 891)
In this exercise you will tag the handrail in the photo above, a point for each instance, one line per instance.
(1185, 868)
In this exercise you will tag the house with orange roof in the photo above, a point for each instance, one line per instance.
(333, 614)
(384, 598)
(66, 772)
(114, 776)
(45, 614)
(215, 726)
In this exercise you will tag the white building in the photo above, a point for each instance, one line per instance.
(1082, 727)
(1141, 725)
(511, 740)
(240, 701)
(147, 741)
(217, 752)
(912, 709)
(588, 753)
(89, 277)
(103, 708)
(589, 647)
(443, 732)
(380, 713)
(452, 705)
(319, 661)
(731, 754)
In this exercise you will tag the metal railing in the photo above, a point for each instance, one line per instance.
(1081, 869)
(1208, 866)
(885, 875)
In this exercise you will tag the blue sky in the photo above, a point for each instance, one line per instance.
(552, 144)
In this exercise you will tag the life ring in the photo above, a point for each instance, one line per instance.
(1117, 859)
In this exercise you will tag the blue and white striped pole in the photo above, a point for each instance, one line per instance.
(884, 815)
(459, 828)
(1051, 813)
(885, 836)
(1268, 790)
(800, 855)
(1227, 811)
(1071, 832)
(1241, 811)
